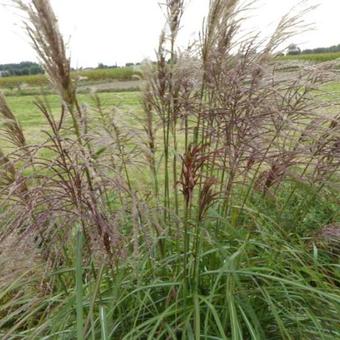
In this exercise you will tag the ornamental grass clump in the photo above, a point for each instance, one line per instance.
(192, 218)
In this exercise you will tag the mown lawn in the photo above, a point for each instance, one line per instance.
(34, 123)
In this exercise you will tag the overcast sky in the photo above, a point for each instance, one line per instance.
(120, 31)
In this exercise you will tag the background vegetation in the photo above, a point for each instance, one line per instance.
(331, 49)
(22, 69)
(313, 57)
(107, 74)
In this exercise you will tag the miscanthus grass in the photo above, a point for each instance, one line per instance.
(212, 213)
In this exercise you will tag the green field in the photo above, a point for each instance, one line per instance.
(33, 122)
(109, 74)
(128, 73)
(314, 57)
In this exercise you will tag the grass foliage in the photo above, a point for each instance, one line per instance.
(212, 213)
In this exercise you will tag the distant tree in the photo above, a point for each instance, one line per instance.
(25, 71)
(331, 49)
(129, 64)
(101, 66)
(35, 69)
(293, 49)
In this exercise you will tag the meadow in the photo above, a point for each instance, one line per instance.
(204, 206)
(33, 123)
(39, 80)
(312, 57)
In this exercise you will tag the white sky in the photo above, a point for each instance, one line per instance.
(120, 31)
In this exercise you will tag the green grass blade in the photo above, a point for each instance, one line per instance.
(103, 323)
(79, 284)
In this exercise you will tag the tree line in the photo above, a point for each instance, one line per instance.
(24, 68)
(331, 49)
